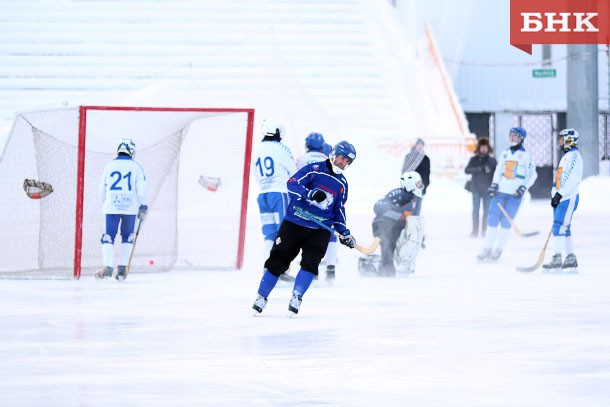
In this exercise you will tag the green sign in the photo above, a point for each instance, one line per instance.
(544, 73)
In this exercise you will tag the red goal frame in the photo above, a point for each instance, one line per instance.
(80, 178)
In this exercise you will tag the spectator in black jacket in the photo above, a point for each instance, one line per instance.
(481, 166)
(417, 160)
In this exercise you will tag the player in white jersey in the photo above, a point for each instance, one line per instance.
(124, 193)
(315, 146)
(514, 174)
(564, 201)
(273, 166)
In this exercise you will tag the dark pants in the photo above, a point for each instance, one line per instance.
(388, 232)
(290, 239)
(478, 199)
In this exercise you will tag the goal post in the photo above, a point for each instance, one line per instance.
(197, 164)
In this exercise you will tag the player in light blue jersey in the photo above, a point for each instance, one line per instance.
(564, 201)
(124, 193)
(318, 193)
(272, 165)
(514, 174)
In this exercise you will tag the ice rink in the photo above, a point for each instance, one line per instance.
(455, 333)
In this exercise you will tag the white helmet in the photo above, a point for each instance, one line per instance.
(272, 128)
(127, 146)
(570, 138)
(411, 182)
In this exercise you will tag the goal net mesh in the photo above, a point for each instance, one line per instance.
(190, 224)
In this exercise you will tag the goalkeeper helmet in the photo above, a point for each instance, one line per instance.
(127, 147)
(570, 138)
(516, 135)
(411, 182)
(273, 129)
(314, 141)
(344, 149)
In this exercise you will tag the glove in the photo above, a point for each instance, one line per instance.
(493, 189)
(519, 192)
(316, 195)
(347, 239)
(555, 200)
(142, 212)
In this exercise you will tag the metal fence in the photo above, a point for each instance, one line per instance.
(542, 129)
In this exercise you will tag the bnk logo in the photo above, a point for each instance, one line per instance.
(564, 22)
(558, 22)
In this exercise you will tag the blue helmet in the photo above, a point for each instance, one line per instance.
(520, 132)
(327, 149)
(314, 141)
(344, 149)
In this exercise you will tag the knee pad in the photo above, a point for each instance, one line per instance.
(106, 238)
(128, 239)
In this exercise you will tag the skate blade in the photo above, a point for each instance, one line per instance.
(120, 278)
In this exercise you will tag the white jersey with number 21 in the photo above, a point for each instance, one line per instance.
(123, 187)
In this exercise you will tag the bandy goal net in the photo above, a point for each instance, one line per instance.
(197, 164)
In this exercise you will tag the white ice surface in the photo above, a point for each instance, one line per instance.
(455, 333)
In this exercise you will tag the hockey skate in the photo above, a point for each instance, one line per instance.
(259, 304)
(554, 265)
(294, 305)
(330, 273)
(121, 273)
(494, 256)
(106, 272)
(484, 256)
(570, 265)
(368, 265)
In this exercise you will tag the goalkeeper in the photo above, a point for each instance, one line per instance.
(124, 194)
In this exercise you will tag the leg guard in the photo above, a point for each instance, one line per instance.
(108, 255)
(125, 253)
(267, 245)
(408, 244)
(331, 253)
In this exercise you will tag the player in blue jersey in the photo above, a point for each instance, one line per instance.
(564, 201)
(124, 193)
(315, 145)
(317, 191)
(273, 164)
(514, 174)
